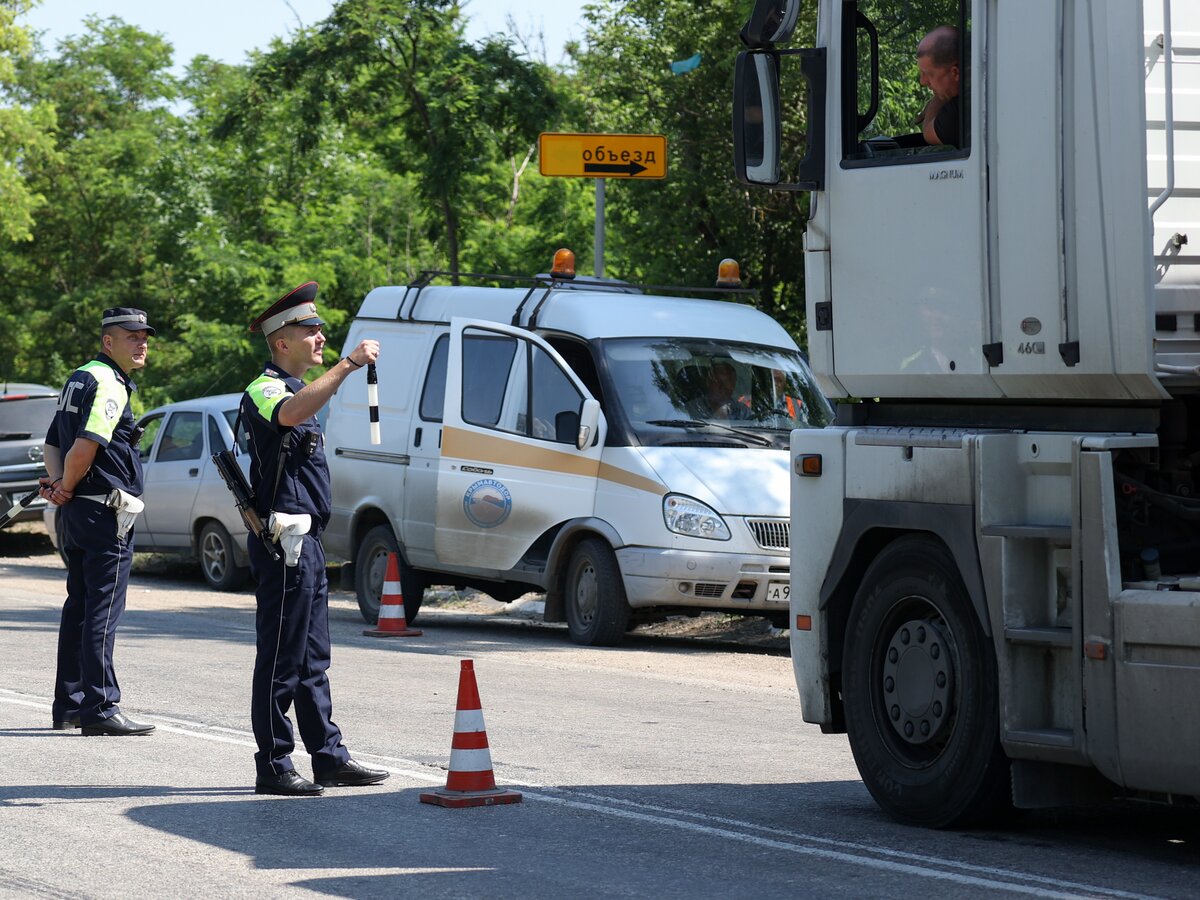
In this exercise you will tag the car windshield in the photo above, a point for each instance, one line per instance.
(695, 391)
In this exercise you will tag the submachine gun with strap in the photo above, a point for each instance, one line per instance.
(243, 494)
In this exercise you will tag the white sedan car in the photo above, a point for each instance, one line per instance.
(189, 510)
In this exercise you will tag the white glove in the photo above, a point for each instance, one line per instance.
(288, 530)
(127, 507)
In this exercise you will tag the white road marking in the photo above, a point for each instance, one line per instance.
(866, 855)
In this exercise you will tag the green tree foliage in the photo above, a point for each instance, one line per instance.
(96, 240)
(359, 152)
(676, 231)
(402, 79)
(24, 130)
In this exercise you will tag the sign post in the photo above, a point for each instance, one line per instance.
(600, 156)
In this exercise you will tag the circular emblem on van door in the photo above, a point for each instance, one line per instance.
(1031, 325)
(487, 503)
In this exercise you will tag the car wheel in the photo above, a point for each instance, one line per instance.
(370, 567)
(218, 561)
(920, 687)
(596, 606)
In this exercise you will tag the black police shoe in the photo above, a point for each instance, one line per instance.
(118, 725)
(287, 784)
(352, 774)
(66, 724)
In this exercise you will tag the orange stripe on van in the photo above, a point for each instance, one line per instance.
(631, 479)
(482, 448)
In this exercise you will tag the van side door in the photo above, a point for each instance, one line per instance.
(509, 467)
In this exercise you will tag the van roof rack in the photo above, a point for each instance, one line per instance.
(549, 283)
(426, 276)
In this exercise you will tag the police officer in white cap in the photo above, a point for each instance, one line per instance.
(94, 476)
(290, 478)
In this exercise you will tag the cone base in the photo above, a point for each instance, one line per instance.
(403, 632)
(460, 799)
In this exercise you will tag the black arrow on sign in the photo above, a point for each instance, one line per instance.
(630, 168)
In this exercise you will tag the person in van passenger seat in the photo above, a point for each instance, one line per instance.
(937, 60)
(722, 381)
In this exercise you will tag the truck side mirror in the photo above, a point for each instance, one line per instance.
(771, 22)
(589, 420)
(756, 118)
(757, 121)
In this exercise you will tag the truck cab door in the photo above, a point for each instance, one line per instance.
(902, 228)
(511, 466)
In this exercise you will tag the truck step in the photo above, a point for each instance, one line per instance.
(1063, 738)
(1038, 635)
(1029, 532)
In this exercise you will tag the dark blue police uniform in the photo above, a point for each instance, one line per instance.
(292, 621)
(290, 478)
(94, 404)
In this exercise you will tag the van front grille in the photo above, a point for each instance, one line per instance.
(771, 534)
(713, 591)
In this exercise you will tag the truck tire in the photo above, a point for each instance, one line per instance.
(920, 688)
(218, 561)
(370, 567)
(596, 607)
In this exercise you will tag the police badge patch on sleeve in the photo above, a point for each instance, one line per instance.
(272, 390)
(110, 409)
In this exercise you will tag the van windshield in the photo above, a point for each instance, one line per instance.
(700, 392)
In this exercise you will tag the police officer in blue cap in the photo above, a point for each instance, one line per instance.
(290, 478)
(94, 476)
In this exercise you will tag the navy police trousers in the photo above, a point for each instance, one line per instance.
(292, 662)
(97, 579)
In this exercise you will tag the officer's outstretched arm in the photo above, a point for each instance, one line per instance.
(304, 404)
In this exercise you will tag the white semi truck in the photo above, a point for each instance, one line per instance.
(995, 579)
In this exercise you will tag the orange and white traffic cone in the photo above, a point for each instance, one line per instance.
(391, 605)
(471, 781)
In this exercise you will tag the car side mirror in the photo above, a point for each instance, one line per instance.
(589, 420)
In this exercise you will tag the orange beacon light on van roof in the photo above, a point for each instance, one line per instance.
(563, 265)
(729, 274)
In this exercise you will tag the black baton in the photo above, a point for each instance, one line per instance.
(19, 506)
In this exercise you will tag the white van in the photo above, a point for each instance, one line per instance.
(625, 453)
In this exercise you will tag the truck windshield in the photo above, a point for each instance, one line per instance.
(695, 392)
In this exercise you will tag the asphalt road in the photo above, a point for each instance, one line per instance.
(662, 768)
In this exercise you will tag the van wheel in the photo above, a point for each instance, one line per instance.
(597, 610)
(370, 567)
(921, 691)
(217, 560)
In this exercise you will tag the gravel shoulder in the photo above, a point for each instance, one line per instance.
(28, 542)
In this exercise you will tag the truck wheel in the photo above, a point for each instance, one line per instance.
(217, 560)
(597, 611)
(370, 567)
(920, 689)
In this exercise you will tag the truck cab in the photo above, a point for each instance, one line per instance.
(995, 599)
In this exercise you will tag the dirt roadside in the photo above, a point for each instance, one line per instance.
(28, 541)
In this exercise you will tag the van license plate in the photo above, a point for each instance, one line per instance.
(779, 591)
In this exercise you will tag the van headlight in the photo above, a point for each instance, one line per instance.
(688, 516)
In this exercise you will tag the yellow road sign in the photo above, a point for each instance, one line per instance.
(602, 155)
